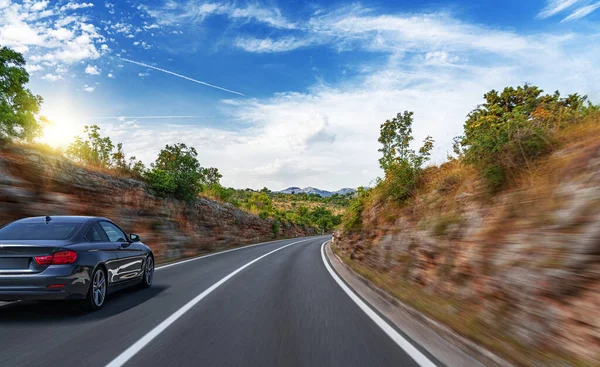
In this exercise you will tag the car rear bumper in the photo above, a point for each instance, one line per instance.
(76, 282)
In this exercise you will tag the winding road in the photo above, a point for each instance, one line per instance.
(272, 304)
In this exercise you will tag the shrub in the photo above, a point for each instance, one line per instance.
(401, 164)
(176, 172)
(95, 150)
(98, 151)
(352, 217)
(515, 127)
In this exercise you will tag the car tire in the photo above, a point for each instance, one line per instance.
(148, 275)
(96, 296)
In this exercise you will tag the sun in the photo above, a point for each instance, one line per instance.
(60, 130)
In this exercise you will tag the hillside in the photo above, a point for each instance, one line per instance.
(513, 265)
(34, 183)
(311, 190)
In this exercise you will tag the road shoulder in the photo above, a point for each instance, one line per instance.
(440, 341)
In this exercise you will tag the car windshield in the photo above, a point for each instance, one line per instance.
(38, 231)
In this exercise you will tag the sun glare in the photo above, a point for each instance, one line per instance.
(61, 129)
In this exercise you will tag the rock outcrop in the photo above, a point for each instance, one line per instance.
(525, 264)
(33, 183)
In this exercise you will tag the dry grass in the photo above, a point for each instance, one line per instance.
(48, 150)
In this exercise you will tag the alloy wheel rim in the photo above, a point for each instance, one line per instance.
(149, 270)
(99, 288)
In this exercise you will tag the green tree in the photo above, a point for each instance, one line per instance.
(400, 163)
(137, 167)
(118, 158)
(95, 150)
(19, 108)
(211, 176)
(177, 172)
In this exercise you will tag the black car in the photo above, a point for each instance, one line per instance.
(70, 258)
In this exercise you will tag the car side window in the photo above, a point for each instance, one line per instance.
(113, 232)
(96, 234)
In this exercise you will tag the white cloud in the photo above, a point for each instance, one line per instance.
(92, 70)
(39, 5)
(143, 74)
(355, 27)
(89, 88)
(52, 77)
(582, 12)
(46, 35)
(556, 6)
(251, 44)
(74, 6)
(61, 34)
(440, 58)
(173, 13)
(32, 68)
(123, 28)
(110, 7)
(110, 75)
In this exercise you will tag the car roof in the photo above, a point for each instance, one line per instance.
(61, 219)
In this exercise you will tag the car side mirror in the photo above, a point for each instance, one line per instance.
(134, 237)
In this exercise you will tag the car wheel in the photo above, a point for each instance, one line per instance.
(97, 291)
(148, 276)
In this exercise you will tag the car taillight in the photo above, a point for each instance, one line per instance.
(57, 258)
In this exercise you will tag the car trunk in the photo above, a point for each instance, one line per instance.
(17, 257)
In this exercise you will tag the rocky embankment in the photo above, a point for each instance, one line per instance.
(33, 183)
(518, 272)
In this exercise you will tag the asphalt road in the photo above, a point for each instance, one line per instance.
(284, 309)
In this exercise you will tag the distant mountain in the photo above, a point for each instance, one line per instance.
(312, 190)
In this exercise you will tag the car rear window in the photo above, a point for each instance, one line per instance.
(38, 231)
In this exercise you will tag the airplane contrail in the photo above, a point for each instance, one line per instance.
(144, 117)
(181, 76)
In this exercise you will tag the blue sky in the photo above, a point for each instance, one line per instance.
(298, 88)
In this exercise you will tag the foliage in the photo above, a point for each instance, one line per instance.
(400, 163)
(211, 176)
(352, 217)
(99, 151)
(95, 150)
(513, 128)
(19, 108)
(176, 172)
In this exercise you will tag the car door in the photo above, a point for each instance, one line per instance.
(130, 256)
(99, 241)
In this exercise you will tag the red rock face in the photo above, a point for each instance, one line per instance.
(528, 271)
(32, 184)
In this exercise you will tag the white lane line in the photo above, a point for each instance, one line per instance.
(215, 254)
(146, 339)
(413, 352)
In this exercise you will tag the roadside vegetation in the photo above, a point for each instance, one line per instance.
(447, 239)
(503, 140)
(176, 172)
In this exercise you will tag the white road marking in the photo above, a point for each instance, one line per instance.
(413, 352)
(146, 339)
(215, 254)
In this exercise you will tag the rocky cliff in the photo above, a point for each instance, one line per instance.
(33, 183)
(518, 272)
